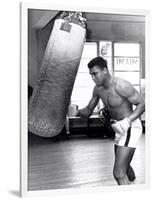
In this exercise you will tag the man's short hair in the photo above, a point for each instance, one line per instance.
(99, 61)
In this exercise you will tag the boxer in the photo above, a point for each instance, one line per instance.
(119, 97)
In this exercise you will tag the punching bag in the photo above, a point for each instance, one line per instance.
(49, 103)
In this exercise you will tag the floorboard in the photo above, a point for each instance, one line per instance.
(76, 162)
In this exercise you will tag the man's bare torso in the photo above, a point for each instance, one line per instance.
(118, 106)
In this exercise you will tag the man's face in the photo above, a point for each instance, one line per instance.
(98, 75)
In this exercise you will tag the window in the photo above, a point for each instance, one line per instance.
(127, 62)
(83, 86)
(105, 50)
(123, 61)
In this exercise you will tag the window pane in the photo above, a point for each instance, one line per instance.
(127, 49)
(137, 87)
(84, 65)
(132, 77)
(105, 49)
(126, 64)
(89, 50)
(83, 94)
(83, 86)
(83, 80)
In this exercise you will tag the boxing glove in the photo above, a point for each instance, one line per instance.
(121, 127)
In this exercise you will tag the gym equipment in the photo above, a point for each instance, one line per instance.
(49, 103)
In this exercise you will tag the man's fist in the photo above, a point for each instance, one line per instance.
(73, 110)
(121, 127)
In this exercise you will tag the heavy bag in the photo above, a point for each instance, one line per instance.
(49, 103)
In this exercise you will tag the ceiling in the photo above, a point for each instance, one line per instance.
(40, 18)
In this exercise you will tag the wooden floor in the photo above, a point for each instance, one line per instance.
(76, 162)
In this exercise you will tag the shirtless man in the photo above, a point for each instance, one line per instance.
(118, 96)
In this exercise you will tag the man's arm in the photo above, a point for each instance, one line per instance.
(126, 90)
(87, 111)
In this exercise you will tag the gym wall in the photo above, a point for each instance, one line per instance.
(99, 27)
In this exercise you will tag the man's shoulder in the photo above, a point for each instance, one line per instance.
(95, 90)
(122, 85)
(120, 82)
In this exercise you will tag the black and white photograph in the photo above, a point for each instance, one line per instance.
(83, 82)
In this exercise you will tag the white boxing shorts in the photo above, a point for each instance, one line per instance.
(131, 137)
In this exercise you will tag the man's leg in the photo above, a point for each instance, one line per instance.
(123, 157)
(130, 172)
